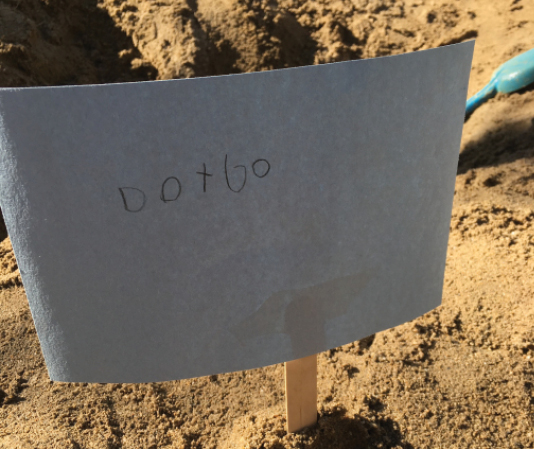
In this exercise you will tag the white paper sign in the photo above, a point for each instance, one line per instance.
(181, 228)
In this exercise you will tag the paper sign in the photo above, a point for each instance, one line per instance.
(175, 229)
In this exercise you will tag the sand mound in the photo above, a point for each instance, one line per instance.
(460, 376)
(54, 42)
(205, 37)
(78, 41)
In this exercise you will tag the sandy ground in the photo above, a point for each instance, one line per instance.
(461, 376)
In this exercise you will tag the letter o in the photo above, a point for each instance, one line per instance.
(163, 196)
(266, 171)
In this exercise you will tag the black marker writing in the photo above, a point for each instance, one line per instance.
(204, 174)
(134, 199)
(163, 196)
(130, 196)
(226, 173)
(266, 167)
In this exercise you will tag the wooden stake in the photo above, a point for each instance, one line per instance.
(301, 393)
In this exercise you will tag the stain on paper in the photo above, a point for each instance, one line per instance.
(302, 314)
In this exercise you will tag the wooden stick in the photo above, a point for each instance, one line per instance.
(301, 393)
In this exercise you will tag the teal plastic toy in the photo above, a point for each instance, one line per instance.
(513, 75)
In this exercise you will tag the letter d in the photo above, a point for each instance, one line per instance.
(134, 199)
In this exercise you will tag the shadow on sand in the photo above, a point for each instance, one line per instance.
(340, 431)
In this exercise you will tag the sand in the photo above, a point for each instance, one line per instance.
(461, 376)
